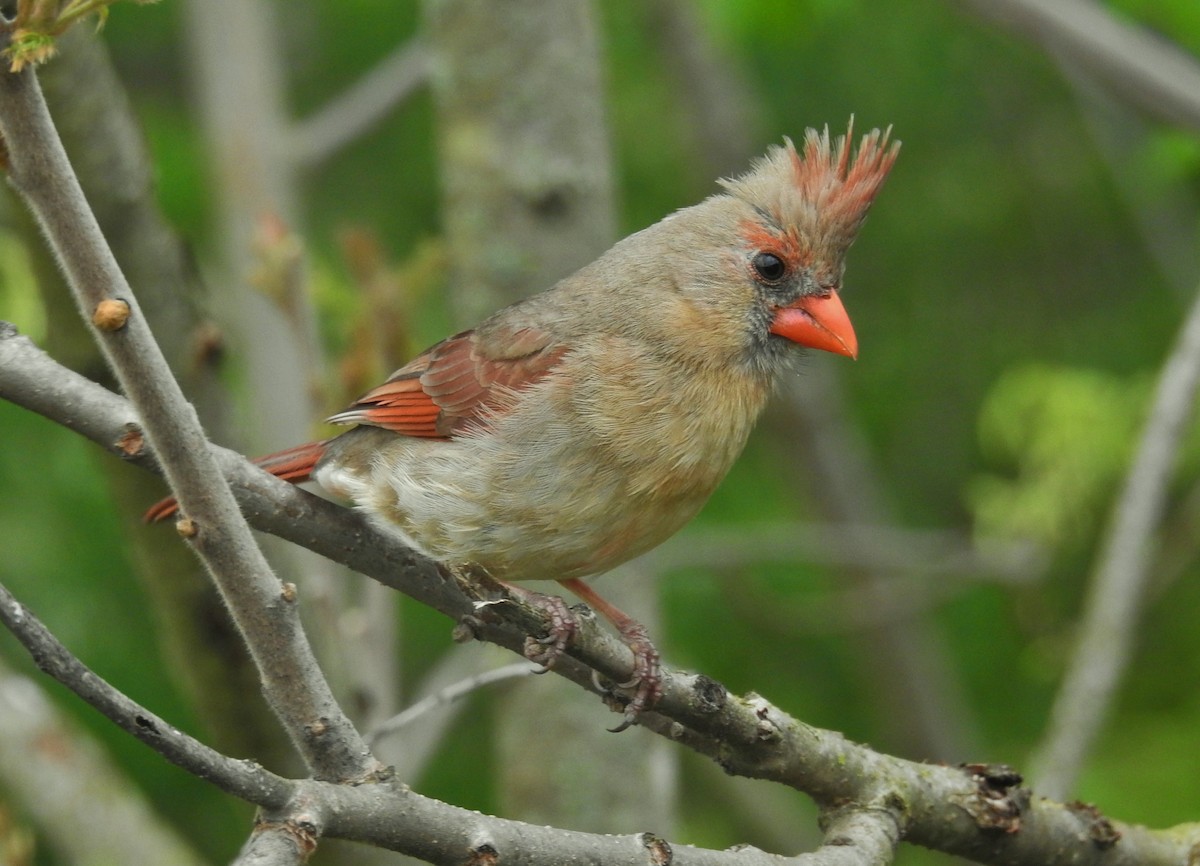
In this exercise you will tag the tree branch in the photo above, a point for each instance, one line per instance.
(103, 138)
(451, 693)
(241, 778)
(974, 811)
(41, 173)
(881, 548)
(857, 837)
(55, 770)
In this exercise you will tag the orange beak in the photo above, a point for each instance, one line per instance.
(818, 322)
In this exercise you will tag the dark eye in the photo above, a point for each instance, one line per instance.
(769, 266)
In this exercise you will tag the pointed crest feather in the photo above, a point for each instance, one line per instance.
(816, 198)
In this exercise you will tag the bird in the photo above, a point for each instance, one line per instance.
(580, 427)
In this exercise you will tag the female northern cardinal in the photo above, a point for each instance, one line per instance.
(581, 427)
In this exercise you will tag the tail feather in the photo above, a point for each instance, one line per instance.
(293, 464)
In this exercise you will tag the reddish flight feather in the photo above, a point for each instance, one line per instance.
(458, 384)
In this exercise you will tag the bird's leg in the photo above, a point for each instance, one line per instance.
(647, 679)
(562, 623)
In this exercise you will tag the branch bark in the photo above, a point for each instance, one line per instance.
(240, 778)
(105, 143)
(41, 173)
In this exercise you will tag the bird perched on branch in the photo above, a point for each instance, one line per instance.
(576, 429)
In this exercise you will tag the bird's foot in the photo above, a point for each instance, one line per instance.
(647, 673)
(646, 679)
(561, 626)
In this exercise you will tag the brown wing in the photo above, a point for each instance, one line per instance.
(461, 382)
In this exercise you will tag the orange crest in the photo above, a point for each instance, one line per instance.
(814, 201)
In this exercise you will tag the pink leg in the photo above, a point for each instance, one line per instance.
(647, 679)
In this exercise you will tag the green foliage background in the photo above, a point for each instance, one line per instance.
(1011, 315)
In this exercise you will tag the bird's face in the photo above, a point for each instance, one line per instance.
(800, 300)
(750, 289)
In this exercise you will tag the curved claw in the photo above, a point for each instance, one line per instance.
(647, 674)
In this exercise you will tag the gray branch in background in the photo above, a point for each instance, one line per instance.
(364, 104)
(1119, 584)
(240, 778)
(238, 78)
(54, 771)
(1103, 55)
(1141, 67)
(906, 661)
(894, 549)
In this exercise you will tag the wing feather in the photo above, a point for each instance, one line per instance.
(463, 382)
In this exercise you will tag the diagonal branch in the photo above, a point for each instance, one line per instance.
(54, 770)
(351, 113)
(40, 171)
(1143, 68)
(1118, 586)
(240, 778)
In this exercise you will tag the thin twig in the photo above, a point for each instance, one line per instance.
(450, 694)
(365, 103)
(240, 778)
(1118, 586)
(41, 173)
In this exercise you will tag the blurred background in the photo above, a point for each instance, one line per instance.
(311, 191)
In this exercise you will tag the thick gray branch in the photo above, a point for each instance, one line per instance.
(41, 173)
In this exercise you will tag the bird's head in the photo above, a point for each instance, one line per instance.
(747, 273)
(795, 214)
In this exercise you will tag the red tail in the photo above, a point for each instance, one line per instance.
(294, 465)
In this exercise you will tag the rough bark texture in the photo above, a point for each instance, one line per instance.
(106, 147)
